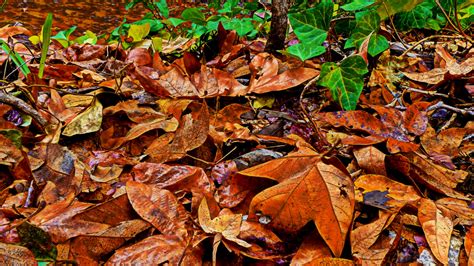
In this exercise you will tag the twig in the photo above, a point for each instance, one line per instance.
(451, 108)
(432, 93)
(320, 137)
(458, 29)
(429, 38)
(24, 107)
(455, 2)
(390, 17)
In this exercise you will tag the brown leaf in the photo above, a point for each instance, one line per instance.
(459, 208)
(16, 255)
(9, 153)
(312, 249)
(371, 160)
(158, 207)
(421, 170)
(437, 227)
(95, 246)
(156, 250)
(309, 190)
(266, 75)
(382, 192)
(191, 134)
(139, 57)
(56, 219)
(365, 236)
(469, 245)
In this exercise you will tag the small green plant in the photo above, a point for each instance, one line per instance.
(15, 57)
(46, 34)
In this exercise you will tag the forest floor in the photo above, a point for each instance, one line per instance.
(213, 150)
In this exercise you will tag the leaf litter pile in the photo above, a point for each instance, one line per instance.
(128, 156)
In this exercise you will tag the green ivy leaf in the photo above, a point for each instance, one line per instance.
(241, 26)
(357, 5)
(305, 51)
(311, 25)
(367, 26)
(194, 15)
(139, 32)
(387, 8)
(63, 36)
(176, 21)
(163, 8)
(377, 44)
(417, 18)
(345, 80)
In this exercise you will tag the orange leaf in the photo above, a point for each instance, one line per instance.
(309, 190)
(437, 227)
(382, 192)
(312, 249)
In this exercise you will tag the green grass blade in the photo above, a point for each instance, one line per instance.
(45, 44)
(16, 58)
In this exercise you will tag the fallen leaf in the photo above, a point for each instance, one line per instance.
(158, 207)
(305, 179)
(88, 121)
(157, 249)
(437, 227)
(382, 192)
(312, 249)
(16, 255)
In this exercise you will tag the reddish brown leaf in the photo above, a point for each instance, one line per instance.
(157, 249)
(191, 134)
(438, 227)
(158, 207)
(371, 160)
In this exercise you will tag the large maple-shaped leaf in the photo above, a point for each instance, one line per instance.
(344, 80)
(316, 191)
(438, 228)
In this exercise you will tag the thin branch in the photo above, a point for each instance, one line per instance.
(24, 107)
(432, 93)
(427, 39)
(319, 135)
(451, 108)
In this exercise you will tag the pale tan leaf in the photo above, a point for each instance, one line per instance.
(88, 121)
